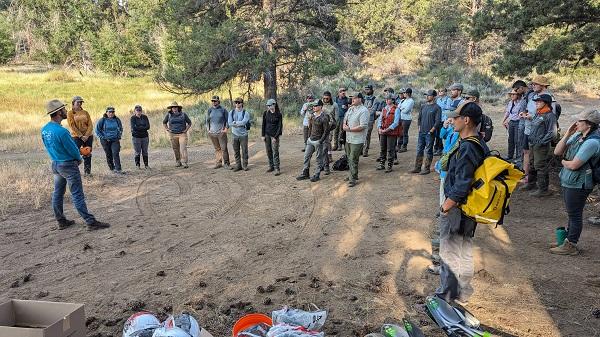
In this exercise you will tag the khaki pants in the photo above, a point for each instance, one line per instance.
(179, 142)
(219, 141)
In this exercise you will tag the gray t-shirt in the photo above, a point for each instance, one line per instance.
(216, 119)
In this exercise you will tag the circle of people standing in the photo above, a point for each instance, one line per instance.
(445, 119)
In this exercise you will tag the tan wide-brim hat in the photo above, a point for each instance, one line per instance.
(541, 80)
(53, 106)
(590, 116)
(174, 105)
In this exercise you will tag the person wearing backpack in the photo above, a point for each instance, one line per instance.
(456, 229)
(331, 109)
(139, 135)
(272, 129)
(177, 123)
(543, 131)
(371, 102)
(109, 130)
(486, 128)
(580, 148)
(389, 129)
(318, 131)
(239, 121)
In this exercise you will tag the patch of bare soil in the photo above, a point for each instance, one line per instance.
(221, 244)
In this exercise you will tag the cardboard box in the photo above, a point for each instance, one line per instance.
(20, 318)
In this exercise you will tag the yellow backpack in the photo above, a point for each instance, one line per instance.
(495, 179)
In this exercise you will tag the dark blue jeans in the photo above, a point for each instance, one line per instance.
(112, 149)
(403, 139)
(68, 173)
(574, 199)
(425, 144)
(513, 136)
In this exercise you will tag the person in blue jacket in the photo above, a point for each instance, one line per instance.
(66, 159)
(109, 130)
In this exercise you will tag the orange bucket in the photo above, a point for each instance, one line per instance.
(249, 321)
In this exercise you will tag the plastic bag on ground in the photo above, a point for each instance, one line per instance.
(308, 320)
(170, 332)
(286, 330)
(259, 330)
(185, 322)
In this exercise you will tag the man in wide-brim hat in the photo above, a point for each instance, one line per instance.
(66, 158)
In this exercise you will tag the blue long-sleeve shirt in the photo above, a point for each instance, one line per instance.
(59, 144)
(445, 103)
(238, 120)
(109, 128)
(394, 124)
(450, 137)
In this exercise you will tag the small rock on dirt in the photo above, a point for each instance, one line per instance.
(136, 305)
(596, 313)
(290, 292)
(42, 294)
(202, 284)
(270, 288)
(15, 284)
(27, 278)
(86, 247)
(161, 273)
(267, 301)
(260, 289)
(353, 298)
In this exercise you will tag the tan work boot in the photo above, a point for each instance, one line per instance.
(567, 248)
(418, 164)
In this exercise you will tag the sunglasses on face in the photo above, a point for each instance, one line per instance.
(238, 102)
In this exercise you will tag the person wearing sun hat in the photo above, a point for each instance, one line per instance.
(65, 156)
(543, 131)
(82, 130)
(177, 123)
(355, 124)
(217, 126)
(580, 147)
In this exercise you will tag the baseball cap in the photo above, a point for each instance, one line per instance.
(238, 100)
(431, 92)
(408, 91)
(472, 93)
(468, 109)
(544, 98)
(215, 98)
(137, 108)
(315, 103)
(110, 109)
(391, 96)
(368, 86)
(355, 94)
(456, 86)
(391, 90)
(402, 91)
(271, 101)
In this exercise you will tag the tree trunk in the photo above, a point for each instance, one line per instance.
(472, 47)
(270, 72)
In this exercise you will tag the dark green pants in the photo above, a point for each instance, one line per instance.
(540, 168)
(353, 152)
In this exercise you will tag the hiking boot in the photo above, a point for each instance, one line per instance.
(427, 168)
(418, 164)
(402, 149)
(97, 225)
(380, 167)
(539, 193)
(567, 248)
(389, 168)
(303, 176)
(271, 169)
(237, 169)
(138, 166)
(434, 269)
(64, 223)
(227, 167)
(396, 162)
(277, 172)
(327, 171)
(315, 178)
(245, 168)
(185, 165)
(177, 163)
(351, 183)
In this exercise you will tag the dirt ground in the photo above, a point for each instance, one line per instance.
(220, 244)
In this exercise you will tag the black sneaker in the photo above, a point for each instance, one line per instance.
(351, 183)
(271, 169)
(64, 223)
(97, 225)
(302, 177)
